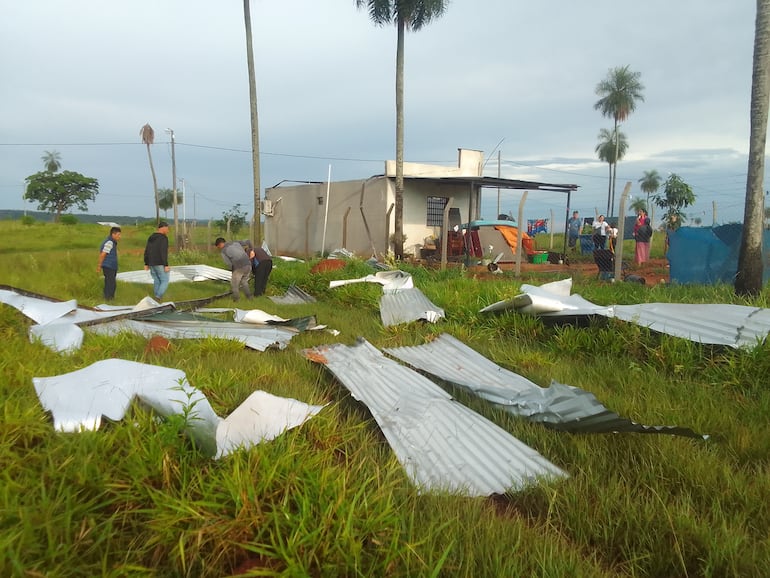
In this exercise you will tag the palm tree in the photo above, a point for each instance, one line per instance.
(51, 161)
(148, 138)
(748, 281)
(254, 124)
(618, 94)
(650, 183)
(610, 152)
(637, 204)
(406, 15)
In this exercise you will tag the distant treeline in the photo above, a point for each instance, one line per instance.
(12, 215)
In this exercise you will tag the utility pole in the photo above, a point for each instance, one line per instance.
(173, 191)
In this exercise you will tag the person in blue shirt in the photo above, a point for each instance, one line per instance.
(108, 262)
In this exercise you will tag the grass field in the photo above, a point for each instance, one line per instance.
(329, 498)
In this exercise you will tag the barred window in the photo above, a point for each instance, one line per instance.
(435, 217)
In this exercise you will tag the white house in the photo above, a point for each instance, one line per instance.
(358, 215)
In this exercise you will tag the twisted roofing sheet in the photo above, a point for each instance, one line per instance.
(441, 444)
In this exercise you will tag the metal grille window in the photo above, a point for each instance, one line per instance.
(435, 217)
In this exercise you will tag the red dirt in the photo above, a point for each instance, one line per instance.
(653, 271)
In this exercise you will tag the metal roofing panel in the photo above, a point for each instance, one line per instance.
(407, 305)
(441, 444)
(78, 400)
(560, 406)
(712, 323)
(293, 296)
(254, 337)
(179, 273)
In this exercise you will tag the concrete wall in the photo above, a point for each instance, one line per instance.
(296, 226)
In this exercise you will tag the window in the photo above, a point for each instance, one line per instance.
(435, 217)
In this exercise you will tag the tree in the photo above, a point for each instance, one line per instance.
(166, 200)
(676, 196)
(51, 161)
(254, 123)
(748, 280)
(57, 192)
(650, 183)
(637, 204)
(232, 220)
(611, 152)
(406, 15)
(148, 138)
(618, 93)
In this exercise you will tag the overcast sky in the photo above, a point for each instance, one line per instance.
(81, 77)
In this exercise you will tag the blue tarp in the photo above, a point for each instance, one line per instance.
(709, 255)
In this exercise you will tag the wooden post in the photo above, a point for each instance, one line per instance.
(307, 234)
(387, 228)
(445, 232)
(345, 229)
(621, 227)
(520, 235)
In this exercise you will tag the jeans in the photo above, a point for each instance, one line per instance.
(159, 280)
(240, 280)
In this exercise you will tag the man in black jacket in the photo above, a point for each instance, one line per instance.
(156, 259)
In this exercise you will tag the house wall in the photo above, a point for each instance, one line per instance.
(296, 226)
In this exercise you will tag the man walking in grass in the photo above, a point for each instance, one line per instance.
(236, 259)
(156, 259)
(108, 262)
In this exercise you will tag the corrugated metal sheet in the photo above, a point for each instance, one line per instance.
(78, 400)
(733, 325)
(252, 336)
(179, 273)
(715, 324)
(406, 305)
(442, 445)
(559, 406)
(293, 296)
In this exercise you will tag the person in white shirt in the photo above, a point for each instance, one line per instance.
(601, 230)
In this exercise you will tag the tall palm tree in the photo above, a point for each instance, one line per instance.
(51, 161)
(748, 281)
(650, 183)
(618, 93)
(406, 15)
(148, 138)
(254, 124)
(611, 150)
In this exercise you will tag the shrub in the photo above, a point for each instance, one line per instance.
(68, 220)
(27, 220)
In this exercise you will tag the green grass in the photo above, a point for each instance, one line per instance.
(329, 498)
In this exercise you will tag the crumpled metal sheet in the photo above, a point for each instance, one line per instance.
(401, 301)
(179, 273)
(253, 337)
(62, 330)
(442, 445)
(390, 280)
(78, 401)
(293, 296)
(715, 324)
(559, 406)
(406, 305)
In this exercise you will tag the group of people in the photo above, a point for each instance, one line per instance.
(241, 257)
(245, 260)
(605, 235)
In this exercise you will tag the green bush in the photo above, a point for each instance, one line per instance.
(68, 220)
(27, 220)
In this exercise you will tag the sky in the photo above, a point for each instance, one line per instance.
(513, 79)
